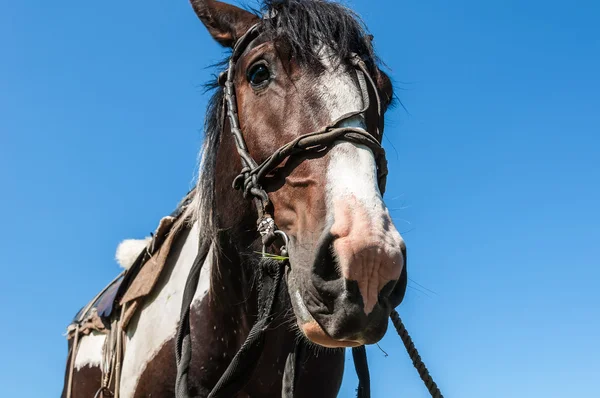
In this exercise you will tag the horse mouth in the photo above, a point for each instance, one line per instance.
(312, 330)
(315, 333)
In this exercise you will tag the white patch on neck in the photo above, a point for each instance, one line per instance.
(157, 323)
(90, 350)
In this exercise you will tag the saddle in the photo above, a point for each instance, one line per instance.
(95, 316)
(124, 295)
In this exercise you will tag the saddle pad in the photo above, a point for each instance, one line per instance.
(147, 278)
(133, 285)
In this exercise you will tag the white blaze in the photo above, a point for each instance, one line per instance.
(352, 170)
(368, 246)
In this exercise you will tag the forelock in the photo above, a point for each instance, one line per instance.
(305, 26)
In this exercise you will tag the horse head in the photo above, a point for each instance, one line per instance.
(297, 74)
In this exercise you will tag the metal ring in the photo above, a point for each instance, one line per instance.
(285, 238)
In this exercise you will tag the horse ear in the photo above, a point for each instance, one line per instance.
(226, 23)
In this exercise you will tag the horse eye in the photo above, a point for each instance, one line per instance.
(258, 75)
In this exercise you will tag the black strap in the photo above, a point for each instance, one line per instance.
(183, 349)
(313, 142)
(244, 363)
(362, 371)
(293, 367)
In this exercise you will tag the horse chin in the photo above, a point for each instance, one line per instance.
(315, 333)
(312, 330)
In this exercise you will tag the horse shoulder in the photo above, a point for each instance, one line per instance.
(150, 336)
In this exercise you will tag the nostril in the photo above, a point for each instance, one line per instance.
(397, 294)
(395, 288)
(326, 265)
(387, 290)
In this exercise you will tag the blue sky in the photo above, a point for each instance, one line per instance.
(494, 179)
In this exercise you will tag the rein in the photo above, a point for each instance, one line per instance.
(241, 368)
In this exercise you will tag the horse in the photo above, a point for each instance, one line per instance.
(297, 66)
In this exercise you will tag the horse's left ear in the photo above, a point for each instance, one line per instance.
(384, 83)
(226, 23)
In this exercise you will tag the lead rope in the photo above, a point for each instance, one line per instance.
(362, 367)
(414, 356)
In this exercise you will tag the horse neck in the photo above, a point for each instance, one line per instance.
(222, 321)
(233, 230)
(232, 312)
(233, 308)
(231, 281)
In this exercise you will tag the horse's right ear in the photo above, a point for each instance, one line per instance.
(225, 23)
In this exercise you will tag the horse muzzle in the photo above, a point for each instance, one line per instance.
(332, 308)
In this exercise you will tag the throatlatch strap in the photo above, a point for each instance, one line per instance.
(362, 371)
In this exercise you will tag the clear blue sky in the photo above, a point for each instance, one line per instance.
(494, 180)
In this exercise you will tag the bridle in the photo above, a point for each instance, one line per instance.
(252, 174)
(249, 181)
